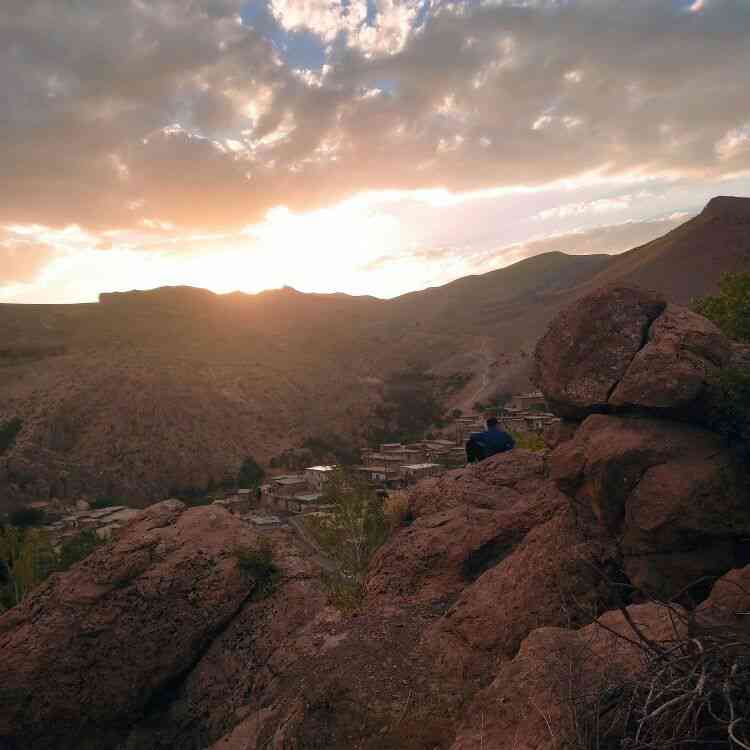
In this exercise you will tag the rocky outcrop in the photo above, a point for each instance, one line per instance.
(538, 700)
(466, 522)
(556, 576)
(590, 345)
(88, 653)
(671, 494)
(623, 350)
(508, 599)
(671, 371)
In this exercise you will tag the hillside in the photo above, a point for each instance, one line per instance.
(581, 597)
(146, 392)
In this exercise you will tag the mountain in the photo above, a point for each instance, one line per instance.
(146, 392)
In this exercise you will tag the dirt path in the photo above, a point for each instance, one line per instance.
(466, 404)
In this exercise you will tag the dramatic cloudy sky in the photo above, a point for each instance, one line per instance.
(366, 146)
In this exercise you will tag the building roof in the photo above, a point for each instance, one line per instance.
(321, 468)
(417, 467)
(308, 497)
(285, 481)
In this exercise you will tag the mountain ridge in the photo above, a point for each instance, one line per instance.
(205, 380)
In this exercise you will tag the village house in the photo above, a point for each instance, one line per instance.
(317, 476)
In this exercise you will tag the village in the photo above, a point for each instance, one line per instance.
(386, 468)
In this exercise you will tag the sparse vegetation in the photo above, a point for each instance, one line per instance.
(350, 535)
(9, 432)
(693, 692)
(530, 441)
(729, 392)
(27, 517)
(104, 501)
(258, 564)
(28, 558)
(730, 309)
(78, 548)
(396, 509)
(251, 474)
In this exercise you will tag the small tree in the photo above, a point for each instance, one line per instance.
(251, 473)
(728, 397)
(8, 432)
(730, 309)
(358, 520)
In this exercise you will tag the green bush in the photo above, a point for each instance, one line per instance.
(251, 474)
(24, 518)
(350, 535)
(730, 309)
(104, 502)
(79, 547)
(8, 432)
(258, 564)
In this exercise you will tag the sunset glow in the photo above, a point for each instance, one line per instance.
(364, 147)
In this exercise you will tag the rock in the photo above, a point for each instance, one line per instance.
(559, 432)
(536, 699)
(479, 515)
(589, 347)
(671, 371)
(495, 484)
(670, 493)
(120, 627)
(556, 576)
(728, 606)
(234, 673)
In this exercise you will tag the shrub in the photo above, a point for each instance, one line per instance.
(529, 441)
(104, 502)
(258, 564)
(396, 509)
(27, 517)
(350, 535)
(79, 547)
(693, 692)
(730, 309)
(8, 432)
(345, 592)
(28, 559)
(251, 473)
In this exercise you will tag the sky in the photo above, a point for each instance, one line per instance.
(359, 146)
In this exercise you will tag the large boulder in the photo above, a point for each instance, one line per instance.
(590, 345)
(622, 349)
(557, 576)
(466, 522)
(91, 648)
(728, 606)
(670, 493)
(538, 700)
(670, 373)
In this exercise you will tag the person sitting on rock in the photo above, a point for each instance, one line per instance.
(494, 440)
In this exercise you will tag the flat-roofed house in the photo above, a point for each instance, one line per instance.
(317, 476)
(288, 485)
(303, 501)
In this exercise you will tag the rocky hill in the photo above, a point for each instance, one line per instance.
(521, 606)
(147, 392)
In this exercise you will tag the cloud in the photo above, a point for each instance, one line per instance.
(116, 113)
(21, 258)
(610, 239)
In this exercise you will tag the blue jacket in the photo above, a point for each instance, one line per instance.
(494, 441)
